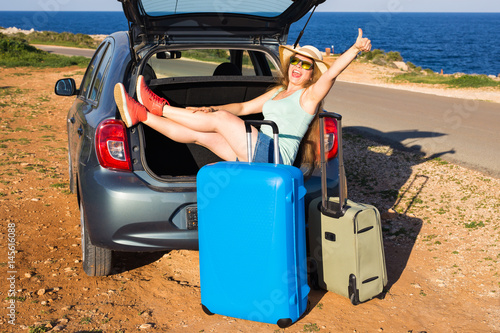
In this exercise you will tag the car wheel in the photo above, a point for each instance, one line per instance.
(96, 261)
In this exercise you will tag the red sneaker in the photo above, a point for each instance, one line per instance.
(131, 111)
(148, 98)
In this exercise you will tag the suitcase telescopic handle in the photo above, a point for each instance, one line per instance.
(328, 207)
(248, 129)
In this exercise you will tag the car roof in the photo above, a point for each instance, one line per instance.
(185, 19)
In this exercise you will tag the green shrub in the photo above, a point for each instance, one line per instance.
(213, 55)
(16, 52)
(464, 81)
(474, 81)
(15, 45)
(379, 57)
(61, 39)
(393, 56)
(411, 65)
(368, 56)
(380, 60)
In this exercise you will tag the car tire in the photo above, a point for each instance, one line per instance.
(96, 261)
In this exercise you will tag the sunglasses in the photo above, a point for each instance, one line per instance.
(304, 64)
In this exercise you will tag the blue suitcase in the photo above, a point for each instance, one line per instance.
(252, 243)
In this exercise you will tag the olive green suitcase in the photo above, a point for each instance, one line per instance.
(345, 240)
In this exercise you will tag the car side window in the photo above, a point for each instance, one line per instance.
(91, 69)
(97, 83)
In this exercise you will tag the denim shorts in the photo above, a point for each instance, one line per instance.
(264, 150)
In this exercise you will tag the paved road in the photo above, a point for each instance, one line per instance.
(462, 131)
(68, 51)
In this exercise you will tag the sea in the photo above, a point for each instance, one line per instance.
(448, 42)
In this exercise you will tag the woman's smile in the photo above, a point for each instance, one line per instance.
(296, 73)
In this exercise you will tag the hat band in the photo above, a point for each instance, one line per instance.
(310, 53)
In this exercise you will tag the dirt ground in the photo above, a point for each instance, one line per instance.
(441, 237)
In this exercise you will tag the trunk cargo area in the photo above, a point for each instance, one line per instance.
(168, 159)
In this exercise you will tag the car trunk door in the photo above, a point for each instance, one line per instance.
(170, 21)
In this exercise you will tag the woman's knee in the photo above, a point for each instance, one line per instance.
(223, 115)
(225, 119)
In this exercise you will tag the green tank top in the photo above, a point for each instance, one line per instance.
(292, 122)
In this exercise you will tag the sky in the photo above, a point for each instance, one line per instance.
(328, 6)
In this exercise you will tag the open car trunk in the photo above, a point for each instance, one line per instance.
(168, 159)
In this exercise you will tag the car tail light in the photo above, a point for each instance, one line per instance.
(112, 145)
(330, 139)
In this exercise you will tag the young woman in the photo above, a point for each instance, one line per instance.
(292, 106)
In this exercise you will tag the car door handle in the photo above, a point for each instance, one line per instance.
(80, 131)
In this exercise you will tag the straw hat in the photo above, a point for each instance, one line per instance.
(307, 51)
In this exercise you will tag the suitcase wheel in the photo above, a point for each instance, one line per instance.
(284, 323)
(353, 291)
(206, 310)
(354, 301)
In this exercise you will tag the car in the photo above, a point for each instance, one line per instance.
(136, 188)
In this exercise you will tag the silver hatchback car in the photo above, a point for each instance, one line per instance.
(136, 188)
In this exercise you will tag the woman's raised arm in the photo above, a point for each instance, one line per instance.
(320, 89)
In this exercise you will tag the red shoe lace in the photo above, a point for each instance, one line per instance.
(154, 97)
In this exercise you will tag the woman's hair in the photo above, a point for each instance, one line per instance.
(308, 146)
(308, 149)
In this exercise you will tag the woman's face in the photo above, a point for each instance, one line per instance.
(298, 75)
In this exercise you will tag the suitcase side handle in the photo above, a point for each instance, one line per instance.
(329, 208)
(248, 129)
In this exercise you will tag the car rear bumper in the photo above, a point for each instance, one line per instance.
(122, 213)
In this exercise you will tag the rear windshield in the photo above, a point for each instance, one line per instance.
(210, 62)
(263, 8)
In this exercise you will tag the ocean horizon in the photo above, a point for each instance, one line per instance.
(452, 42)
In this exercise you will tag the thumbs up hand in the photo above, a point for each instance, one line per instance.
(362, 44)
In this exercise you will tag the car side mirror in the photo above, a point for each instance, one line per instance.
(66, 87)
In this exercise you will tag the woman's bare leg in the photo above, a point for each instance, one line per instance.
(221, 131)
(213, 141)
(229, 126)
